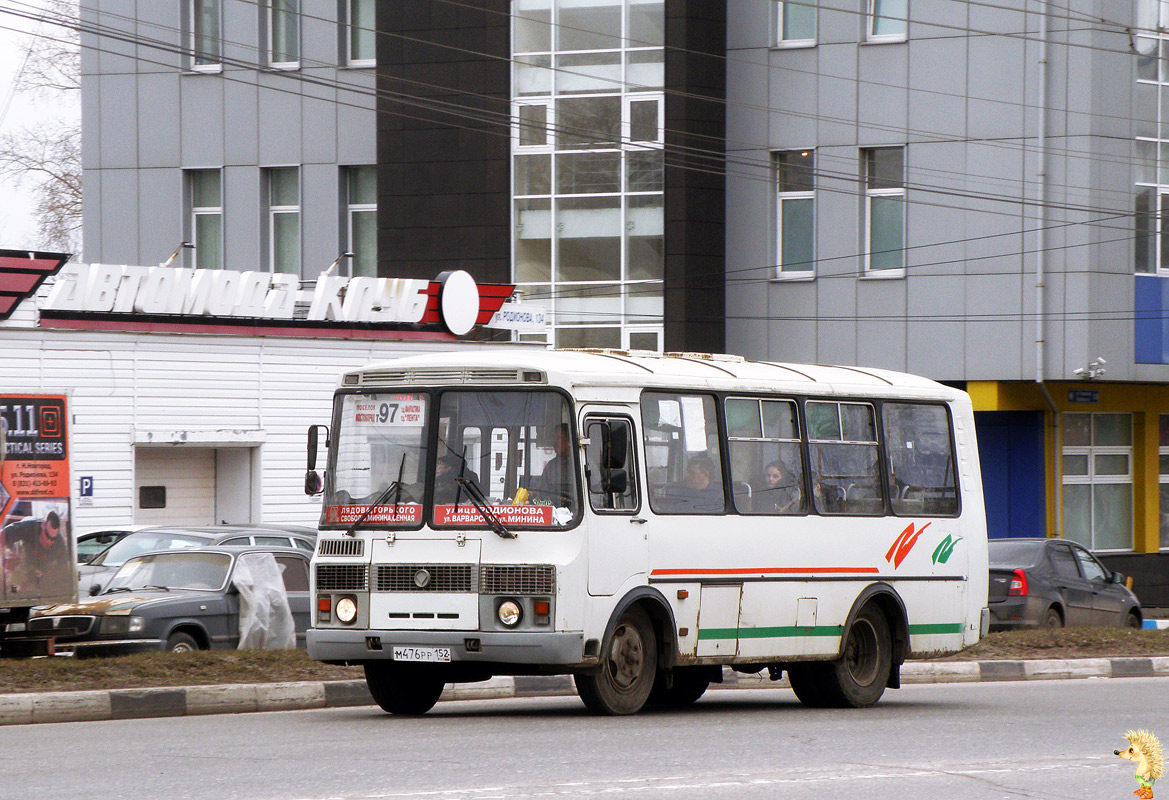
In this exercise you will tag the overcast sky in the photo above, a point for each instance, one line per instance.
(17, 228)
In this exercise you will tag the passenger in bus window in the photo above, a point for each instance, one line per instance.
(779, 491)
(446, 487)
(700, 491)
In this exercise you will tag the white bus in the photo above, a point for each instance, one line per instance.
(641, 521)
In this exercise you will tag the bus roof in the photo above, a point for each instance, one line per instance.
(575, 368)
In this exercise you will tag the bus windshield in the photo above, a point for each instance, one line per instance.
(511, 452)
(381, 456)
(507, 453)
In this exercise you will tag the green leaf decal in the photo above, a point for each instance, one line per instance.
(945, 549)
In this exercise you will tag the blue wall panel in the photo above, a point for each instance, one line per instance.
(1151, 320)
(1010, 447)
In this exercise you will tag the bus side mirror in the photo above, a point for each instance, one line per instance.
(616, 481)
(312, 480)
(616, 446)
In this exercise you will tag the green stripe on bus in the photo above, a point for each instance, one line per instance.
(939, 627)
(769, 633)
(817, 630)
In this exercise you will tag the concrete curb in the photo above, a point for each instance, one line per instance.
(21, 709)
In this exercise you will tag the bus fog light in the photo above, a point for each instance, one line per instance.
(346, 610)
(510, 613)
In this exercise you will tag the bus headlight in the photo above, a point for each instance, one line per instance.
(346, 610)
(510, 613)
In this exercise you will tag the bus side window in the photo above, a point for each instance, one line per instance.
(684, 464)
(767, 471)
(602, 497)
(921, 459)
(842, 444)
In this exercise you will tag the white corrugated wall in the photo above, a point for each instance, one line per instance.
(133, 391)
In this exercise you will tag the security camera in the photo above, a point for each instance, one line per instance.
(1079, 371)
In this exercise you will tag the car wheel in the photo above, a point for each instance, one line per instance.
(1052, 618)
(403, 689)
(1131, 620)
(679, 687)
(629, 665)
(181, 643)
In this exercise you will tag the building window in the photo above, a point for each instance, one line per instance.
(283, 33)
(587, 160)
(795, 22)
(205, 187)
(1097, 480)
(284, 219)
(795, 212)
(361, 41)
(206, 35)
(362, 220)
(884, 175)
(888, 20)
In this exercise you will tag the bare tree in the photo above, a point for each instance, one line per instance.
(49, 154)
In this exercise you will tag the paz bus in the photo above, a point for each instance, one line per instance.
(641, 522)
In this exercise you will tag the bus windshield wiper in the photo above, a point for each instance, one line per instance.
(395, 488)
(475, 495)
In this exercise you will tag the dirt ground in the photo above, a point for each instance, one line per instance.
(258, 666)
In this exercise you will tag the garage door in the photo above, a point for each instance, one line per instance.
(174, 486)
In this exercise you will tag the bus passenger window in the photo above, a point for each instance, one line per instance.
(684, 463)
(767, 471)
(921, 459)
(842, 445)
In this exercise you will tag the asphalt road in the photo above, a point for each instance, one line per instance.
(1046, 739)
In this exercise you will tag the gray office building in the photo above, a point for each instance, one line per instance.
(969, 191)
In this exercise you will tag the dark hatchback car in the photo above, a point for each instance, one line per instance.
(176, 600)
(175, 537)
(1050, 583)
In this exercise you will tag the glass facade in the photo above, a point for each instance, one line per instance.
(588, 120)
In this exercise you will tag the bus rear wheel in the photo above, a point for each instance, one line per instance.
(403, 689)
(858, 678)
(629, 664)
(679, 687)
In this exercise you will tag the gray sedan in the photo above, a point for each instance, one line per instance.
(177, 600)
(1050, 583)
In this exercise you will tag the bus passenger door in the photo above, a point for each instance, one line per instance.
(618, 547)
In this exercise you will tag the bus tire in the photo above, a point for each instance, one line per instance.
(403, 690)
(629, 665)
(860, 674)
(679, 687)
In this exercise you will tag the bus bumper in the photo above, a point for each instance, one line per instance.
(329, 644)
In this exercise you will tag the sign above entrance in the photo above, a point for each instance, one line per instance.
(454, 300)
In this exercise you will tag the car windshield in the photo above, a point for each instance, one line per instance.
(1005, 553)
(143, 542)
(178, 570)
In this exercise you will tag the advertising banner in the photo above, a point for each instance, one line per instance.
(36, 547)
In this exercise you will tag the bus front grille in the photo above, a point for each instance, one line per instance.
(341, 547)
(517, 579)
(342, 577)
(425, 578)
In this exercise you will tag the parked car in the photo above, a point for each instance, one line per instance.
(93, 576)
(176, 600)
(1049, 583)
(91, 543)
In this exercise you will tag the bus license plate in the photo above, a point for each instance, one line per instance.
(434, 655)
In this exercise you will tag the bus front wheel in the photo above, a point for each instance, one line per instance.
(858, 678)
(403, 689)
(629, 663)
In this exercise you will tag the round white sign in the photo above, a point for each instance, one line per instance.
(458, 301)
